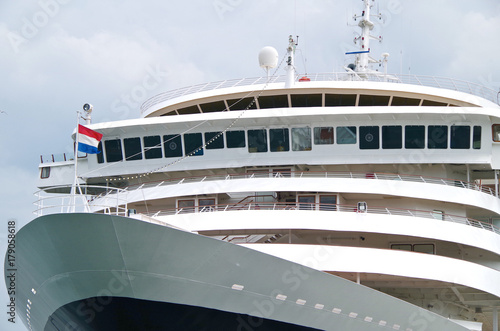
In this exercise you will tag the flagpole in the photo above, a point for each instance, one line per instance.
(75, 179)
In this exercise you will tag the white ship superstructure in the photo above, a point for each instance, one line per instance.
(387, 181)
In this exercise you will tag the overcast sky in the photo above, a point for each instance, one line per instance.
(56, 55)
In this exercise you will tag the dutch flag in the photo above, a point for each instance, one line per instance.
(88, 140)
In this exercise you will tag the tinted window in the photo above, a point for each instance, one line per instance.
(433, 103)
(273, 101)
(437, 137)
(172, 145)
(476, 138)
(242, 104)
(279, 140)
(323, 136)
(113, 150)
(189, 110)
(213, 107)
(338, 100)
(235, 139)
(218, 141)
(133, 148)
(392, 137)
(152, 147)
(373, 100)
(346, 135)
(257, 141)
(193, 143)
(301, 139)
(414, 136)
(306, 100)
(100, 154)
(369, 137)
(399, 101)
(460, 137)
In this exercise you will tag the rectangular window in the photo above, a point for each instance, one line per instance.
(185, 206)
(217, 143)
(45, 172)
(327, 202)
(152, 147)
(242, 104)
(273, 101)
(339, 100)
(193, 144)
(301, 139)
(100, 155)
(437, 137)
(206, 204)
(306, 100)
(113, 150)
(424, 248)
(392, 137)
(369, 137)
(323, 136)
(460, 137)
(346, 135)
(438, 215)
(235, 139)
(476, 138)
(414, 136)
(306, 202)
(401, 101)
(279, 140)
(495, 131)
(373, 100)
(133, 148)
(172, 145)
(402, 247)
(257, 141)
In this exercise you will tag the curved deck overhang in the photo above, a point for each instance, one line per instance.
(167, 102)
(269, 221)
(388, 262)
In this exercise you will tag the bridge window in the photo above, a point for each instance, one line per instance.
(273, 101)
(301, 139)
(213, 107)
(172, 145)
(45, 172)
(346, 135)
(133, 148)
(235, 139)
(340, 100)
(257, 141)
(189, 110)
(373, 100)
(279, 140)
(193, 143)
(392, 137)
(419, 248)
(433, 103)
(437, 137)
(306, 100)
(100, 154)
(414, 136)
(460, 137)
(113, 150)
(476, 138)
(152, 147)
(217, 143)
(242, 104)
(323, 135)
(400, 101)
(369, 137)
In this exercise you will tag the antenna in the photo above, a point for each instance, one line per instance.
(290, 68)
(268, 59)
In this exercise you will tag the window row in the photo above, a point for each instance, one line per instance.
(294, 139)
(308, 100)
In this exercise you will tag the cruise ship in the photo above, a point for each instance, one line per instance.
(358, 200)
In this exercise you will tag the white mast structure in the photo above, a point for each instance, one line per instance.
(363, 58)
(290, 68)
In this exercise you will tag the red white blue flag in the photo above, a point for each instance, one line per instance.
(88, 140)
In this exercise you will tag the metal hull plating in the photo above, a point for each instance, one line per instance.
(88, 271)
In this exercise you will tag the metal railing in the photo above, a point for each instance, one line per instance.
(313, 174)
(430, 81)
(330, 208)
(87, 199)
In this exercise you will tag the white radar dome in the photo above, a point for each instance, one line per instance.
(268, 57)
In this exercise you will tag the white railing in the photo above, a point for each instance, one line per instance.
(312, 174)
(87, 199)
(330, 208)
(430, 81)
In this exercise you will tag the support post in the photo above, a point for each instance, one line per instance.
(495, 319)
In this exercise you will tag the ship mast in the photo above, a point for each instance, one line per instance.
(290, 68)
(363, 58)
